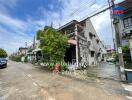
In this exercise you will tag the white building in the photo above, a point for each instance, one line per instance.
(89, 49)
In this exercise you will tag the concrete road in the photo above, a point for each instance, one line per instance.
(25, 82)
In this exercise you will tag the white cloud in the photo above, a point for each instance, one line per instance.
(12, 40)
(11, 22)
(15, 32)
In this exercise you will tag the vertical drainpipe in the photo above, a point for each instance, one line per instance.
(76, 45)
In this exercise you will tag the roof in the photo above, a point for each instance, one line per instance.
(22, 48)
(127, 4)
(67, 24)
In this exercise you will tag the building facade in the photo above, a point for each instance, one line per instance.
(88, 48)
(125, 24)
(22, 51)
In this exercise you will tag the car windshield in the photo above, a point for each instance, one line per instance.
(2, 59)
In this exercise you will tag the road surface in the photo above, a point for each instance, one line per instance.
(21, 81)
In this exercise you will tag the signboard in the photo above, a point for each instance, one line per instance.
(117, 11)
(119, 50)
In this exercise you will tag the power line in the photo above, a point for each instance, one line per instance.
(96, 12)
(76, 11)
(84, 5)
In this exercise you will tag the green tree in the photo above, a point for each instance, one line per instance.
(127, 56)
(53, 43)
(3, 53)
(39, 33)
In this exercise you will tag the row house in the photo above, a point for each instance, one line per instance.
(85, 45)
(22, 51)
(125, 24)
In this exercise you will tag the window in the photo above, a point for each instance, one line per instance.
(92, 53)
(90, 35)
(127, 22)
(97, 41)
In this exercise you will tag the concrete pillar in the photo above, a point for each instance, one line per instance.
(130, 42)
(76, 45)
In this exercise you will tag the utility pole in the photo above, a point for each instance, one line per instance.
(25, 48)
(116, 24)
(113, 35)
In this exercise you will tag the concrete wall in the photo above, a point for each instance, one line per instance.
(94, 46)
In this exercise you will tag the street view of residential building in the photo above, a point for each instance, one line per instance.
(66, 50)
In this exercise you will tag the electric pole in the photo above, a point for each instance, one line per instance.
(25, 48)
(116, 24)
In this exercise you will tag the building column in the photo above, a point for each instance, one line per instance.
(76, 45)
(130, 42)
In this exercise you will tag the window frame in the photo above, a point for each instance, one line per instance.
(127, 23)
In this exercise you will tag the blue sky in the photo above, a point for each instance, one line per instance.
(20, 19)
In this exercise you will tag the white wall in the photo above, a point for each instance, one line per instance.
(94, 45)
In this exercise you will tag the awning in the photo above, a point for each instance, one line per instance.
(71, 41)
(36, 50)
(29, 53)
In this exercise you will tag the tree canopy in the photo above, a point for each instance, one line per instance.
(53, 43)
(3, 53)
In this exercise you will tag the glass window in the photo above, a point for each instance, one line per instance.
(127, 22)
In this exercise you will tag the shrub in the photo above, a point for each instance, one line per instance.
(16, 58)
(34, 61)
(64, 66)
(51, 65)
(127, 56)
(26, 59)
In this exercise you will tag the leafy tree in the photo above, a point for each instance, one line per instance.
(127, 55)
(53, 43)
(3, 53)
(39, 33)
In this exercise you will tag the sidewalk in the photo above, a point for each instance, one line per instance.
(128, 90)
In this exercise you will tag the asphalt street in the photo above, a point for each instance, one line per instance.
(20, 81)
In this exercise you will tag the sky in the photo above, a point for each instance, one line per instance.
(20, 19)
